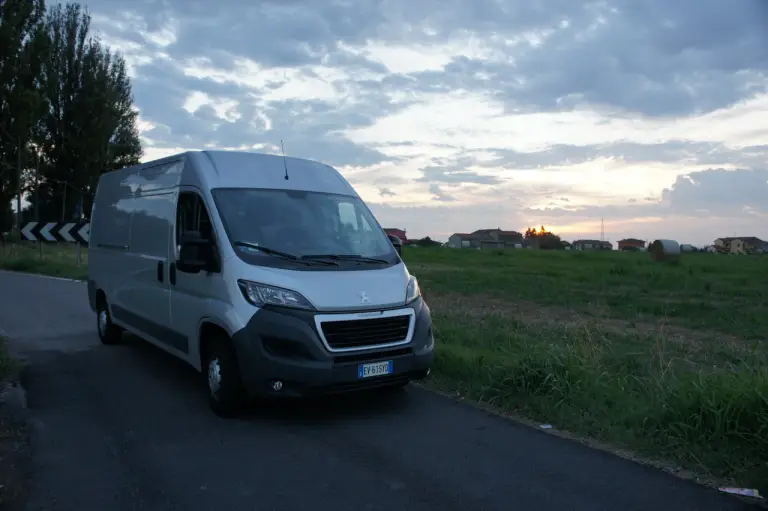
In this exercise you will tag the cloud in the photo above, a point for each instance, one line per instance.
(716, 192)
(455, 112)
(439, 194)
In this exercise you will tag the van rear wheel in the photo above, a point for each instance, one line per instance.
(109, 333)
(225, 389)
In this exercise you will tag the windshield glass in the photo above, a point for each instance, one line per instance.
(302, 224)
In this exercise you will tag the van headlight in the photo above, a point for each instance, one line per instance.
(412, 291)
(262, 294)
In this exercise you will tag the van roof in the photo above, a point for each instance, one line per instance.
(241, 169)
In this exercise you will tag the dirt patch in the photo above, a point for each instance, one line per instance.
(594, 317)
(15, 461)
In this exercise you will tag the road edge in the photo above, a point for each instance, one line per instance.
(15, 438)
(627, 454)
(41, 275)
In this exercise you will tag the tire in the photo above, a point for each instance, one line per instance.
(109, 333)
(226, 395)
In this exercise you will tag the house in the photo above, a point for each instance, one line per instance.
(591, 245)
(486, 238)
(400, 233)
(748, 245)
(741, 245)
(633, 244)
(463, 240)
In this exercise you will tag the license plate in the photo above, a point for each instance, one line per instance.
(375, 369)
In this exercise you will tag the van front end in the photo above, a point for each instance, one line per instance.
(295, 350)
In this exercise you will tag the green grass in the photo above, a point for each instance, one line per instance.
(716, 292)
(669, 360)
(57, 260)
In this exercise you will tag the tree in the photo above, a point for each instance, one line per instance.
(23, 49)
(90, 126)
(543, 239)
(427, 242)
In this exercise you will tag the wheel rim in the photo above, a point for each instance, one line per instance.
(214, 376)
(103, 321)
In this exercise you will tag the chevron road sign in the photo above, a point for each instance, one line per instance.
(61, 232)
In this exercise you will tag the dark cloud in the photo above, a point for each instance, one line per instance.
(656, 58)
(439, 194)
(649, 57)
(562, 155)
(453, 170)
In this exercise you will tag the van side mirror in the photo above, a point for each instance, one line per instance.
(397, 243)
(196, 254)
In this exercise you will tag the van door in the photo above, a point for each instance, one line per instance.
(146, 293)
(194, 296)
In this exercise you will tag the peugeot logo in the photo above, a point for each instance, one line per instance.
(363, 297)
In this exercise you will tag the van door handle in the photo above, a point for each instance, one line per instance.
(160, 272)
(172, 274)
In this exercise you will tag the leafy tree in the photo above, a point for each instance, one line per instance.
(24, 48)
(90, 127)
(543, 239)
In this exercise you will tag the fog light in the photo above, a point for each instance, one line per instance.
(277, 385)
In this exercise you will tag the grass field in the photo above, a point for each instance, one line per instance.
(49, 259)
(668, 360)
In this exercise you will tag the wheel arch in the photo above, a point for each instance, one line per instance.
(208, 330)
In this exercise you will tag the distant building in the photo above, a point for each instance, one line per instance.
(631, 244)
(591, 245)
(486, 238)
(400, 233)
(741, 245)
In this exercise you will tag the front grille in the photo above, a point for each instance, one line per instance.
(361, 333)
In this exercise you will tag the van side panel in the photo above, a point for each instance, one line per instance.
(146, 298)
(130, 244)
(110, 236)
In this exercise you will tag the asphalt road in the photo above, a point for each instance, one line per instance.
(127, 427)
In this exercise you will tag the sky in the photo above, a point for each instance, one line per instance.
(456, 115)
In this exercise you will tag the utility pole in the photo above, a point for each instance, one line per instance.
(37, 200)
(602, 230)
(18, 189)
(37, 189)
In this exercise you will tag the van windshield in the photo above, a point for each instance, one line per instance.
(305, 225)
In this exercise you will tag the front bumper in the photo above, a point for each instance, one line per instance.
(280, 344)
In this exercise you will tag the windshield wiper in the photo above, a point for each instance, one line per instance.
(346, 257)
(267, 250)
(278, 253)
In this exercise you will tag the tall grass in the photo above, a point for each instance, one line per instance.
(666, 360)
(635, 391)
(55, 259)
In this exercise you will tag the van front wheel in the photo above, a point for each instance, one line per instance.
(109, 333)
(225, 388)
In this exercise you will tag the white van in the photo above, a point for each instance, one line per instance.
(268, 273)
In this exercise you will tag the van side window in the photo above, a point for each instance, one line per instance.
(192, 216)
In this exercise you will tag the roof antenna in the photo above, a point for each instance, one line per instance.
(285, 162)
